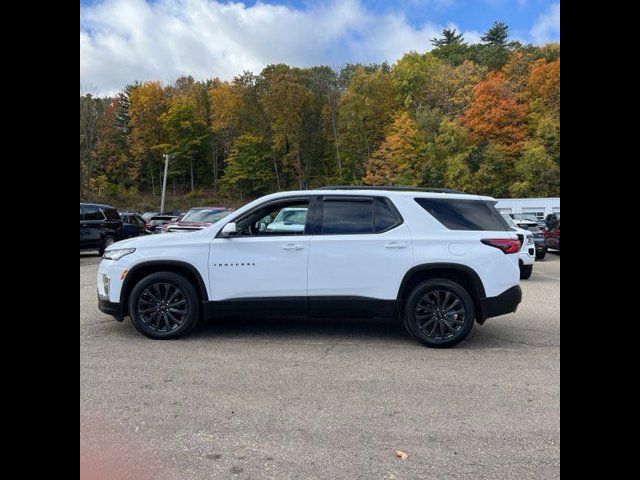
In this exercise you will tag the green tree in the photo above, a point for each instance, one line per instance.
(537, 175)
(497, 34)
(450, 47)
(365, 109)
(248, 171)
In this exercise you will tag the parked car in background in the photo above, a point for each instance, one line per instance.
(538, 236)
(552, 237)
(100, 226)
(527, 253)
(155, 223)
(529, 217)
(196, 219)
(133, 225)
(551, 220)
(147, 215)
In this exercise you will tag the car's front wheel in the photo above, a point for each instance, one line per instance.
(164, 305)
(439, 313)
(541, 254)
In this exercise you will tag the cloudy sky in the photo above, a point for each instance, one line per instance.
(126, 40)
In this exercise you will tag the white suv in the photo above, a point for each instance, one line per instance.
(439, 260)
(527, 253)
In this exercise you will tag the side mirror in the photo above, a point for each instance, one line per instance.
(229, 230)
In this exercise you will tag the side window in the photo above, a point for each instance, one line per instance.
(111, 214)
(93, 213)
(384, 216)
(288, 217)
(81, 215)
(457, 214)
(346, 216)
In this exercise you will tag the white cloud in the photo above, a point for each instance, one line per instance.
(547, 26)
(126, 40)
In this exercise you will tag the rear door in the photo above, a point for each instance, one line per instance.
(360, 250)
(93, 226)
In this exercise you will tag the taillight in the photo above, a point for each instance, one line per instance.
(505, 244)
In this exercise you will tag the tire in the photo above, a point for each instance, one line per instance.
(525, 271)
(108, 240)
(433, 293)
(161, 322)
(541, 255)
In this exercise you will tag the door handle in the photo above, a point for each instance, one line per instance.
(292, 246)
(395, 245)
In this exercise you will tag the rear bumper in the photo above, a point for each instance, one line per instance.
(506, 302)
(111, 308)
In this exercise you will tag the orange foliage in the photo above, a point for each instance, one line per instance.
(544, 83)
(496, 116)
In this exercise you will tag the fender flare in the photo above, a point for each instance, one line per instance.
(475, 278)
(126, 287)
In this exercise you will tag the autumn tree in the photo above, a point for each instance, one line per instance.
(495, 116)
(148, 101)
(186, 130)
(365, 109)
(90, 111)
(537, 175)
(400, 158)
(249, 169)
(448, 158)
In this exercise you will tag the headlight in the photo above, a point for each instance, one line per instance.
(530, 240)
(117, 254)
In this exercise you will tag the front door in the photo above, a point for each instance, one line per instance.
(267, 260)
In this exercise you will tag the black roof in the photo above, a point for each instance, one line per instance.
(391, 188)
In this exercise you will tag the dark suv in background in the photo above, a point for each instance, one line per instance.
(100, 226)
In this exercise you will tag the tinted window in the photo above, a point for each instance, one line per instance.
(384, 216)
(464, 214)
(344, 217)
(92, 213)
(111, 214)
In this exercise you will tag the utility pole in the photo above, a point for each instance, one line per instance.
(164, 181)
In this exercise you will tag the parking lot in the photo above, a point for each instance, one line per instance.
(295, 398)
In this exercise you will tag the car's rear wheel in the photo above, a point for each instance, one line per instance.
(439, 313)
(525, 271)
(541, 254)
(164, 305)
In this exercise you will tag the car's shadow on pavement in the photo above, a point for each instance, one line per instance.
(352, 330)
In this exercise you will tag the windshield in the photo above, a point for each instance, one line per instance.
(531, 228)
(526, 216)
(204, 215)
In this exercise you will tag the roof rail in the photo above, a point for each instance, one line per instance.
(391, 188)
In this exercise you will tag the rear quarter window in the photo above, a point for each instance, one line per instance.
(111, 214)
(457, 214)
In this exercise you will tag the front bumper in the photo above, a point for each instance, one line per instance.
(111, 308)
(506, 302)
